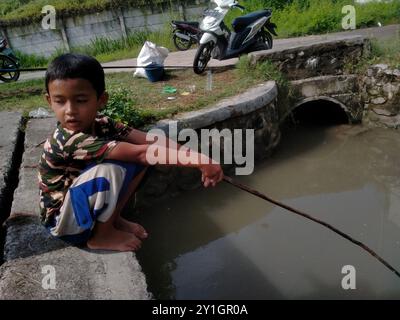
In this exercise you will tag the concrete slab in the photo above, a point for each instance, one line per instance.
(30, 250)
(78, 273)
(9, 127)
(26, 194)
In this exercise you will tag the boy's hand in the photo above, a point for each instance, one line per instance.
(211, 174)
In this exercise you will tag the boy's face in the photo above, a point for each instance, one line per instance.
(75, 103)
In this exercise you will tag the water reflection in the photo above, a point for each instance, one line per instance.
(225, 244)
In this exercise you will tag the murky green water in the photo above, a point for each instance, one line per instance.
(226, 244)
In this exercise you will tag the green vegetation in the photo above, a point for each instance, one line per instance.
(31, 60)
(108, 50)
(385, 51)
(304, 17)
(120, 107)
(293, 18)
(264, 71)
(22, 11)
(137, 101)
(22, 96)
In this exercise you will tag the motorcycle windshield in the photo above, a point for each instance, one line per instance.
(212, 19)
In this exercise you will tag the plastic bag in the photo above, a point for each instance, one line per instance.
(39, 113)
(150, 54)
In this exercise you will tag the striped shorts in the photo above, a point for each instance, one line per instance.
(93, 196)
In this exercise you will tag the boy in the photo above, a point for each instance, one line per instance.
(92, 165)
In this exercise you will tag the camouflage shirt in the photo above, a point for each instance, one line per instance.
(66, 153)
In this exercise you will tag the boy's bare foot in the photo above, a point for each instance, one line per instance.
(114, 240)
(127, 226)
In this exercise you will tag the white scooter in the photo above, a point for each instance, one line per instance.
(251, 32)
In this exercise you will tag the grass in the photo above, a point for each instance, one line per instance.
(264, 71)
(22, 96)
(145, 97)
(19, 11)
(385, 51)
(140, 102)
(305, 17)
(106, 50)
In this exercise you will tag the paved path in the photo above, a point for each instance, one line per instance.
(185, 58)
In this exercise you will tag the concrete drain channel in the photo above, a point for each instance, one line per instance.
(11, 180)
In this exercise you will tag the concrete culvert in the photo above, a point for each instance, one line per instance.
(320, 112)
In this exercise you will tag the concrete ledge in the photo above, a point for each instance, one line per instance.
(79, 274)
(26, 195)
(242, 104)
(10, 123)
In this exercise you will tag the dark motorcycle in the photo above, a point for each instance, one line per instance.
(9, 63)
(186, 33)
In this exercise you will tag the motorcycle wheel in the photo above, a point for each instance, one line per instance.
(182, 44)
(268, 40)
(265, 42)
(8, 63)
(203, 55)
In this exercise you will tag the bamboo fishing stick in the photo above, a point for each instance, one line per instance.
(282, 205)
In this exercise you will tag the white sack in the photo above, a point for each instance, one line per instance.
(150, 53)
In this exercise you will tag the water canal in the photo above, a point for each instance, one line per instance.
(226, 244)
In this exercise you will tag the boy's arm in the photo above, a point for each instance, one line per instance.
(139, 137)
(139, 153)
(136, 137)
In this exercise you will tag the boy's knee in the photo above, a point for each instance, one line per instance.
(106, 170)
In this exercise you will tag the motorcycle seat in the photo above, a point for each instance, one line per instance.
(240, 23)
(190, 23)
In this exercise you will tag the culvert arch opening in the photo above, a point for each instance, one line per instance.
(320, 112)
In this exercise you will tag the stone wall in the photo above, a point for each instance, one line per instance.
(81, 30)
(381, 94)
(343, 90)
(256, 109)
(324, 57)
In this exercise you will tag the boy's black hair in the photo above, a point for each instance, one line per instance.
(73, 66)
